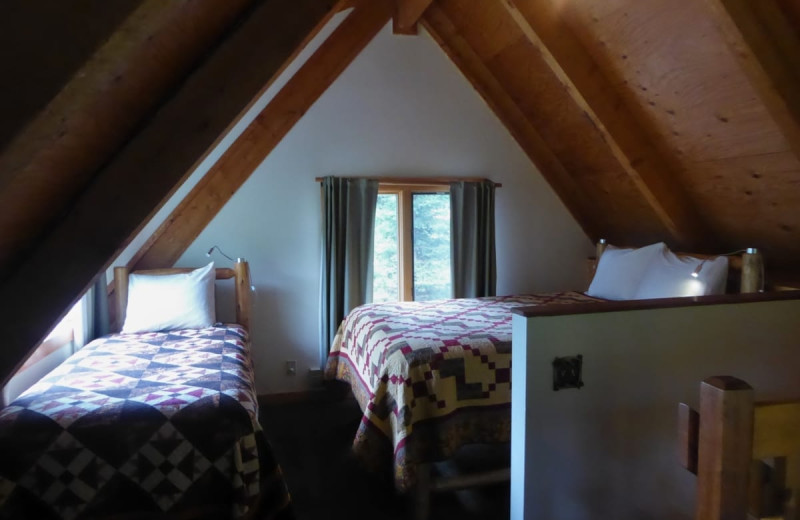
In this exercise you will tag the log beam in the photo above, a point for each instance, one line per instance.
(141, 176)
(407, 14)
(626, 139)
(239, 161)
(437, 22)
(55, 156)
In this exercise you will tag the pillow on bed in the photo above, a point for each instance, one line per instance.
(620, 271)
(670, 275)
(173, 301)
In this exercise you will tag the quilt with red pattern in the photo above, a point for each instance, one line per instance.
(430, 376)
(141, 426)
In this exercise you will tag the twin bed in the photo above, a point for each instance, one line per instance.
(145, 424)
(431, 377)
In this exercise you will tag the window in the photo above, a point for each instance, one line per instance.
(412, 243)
(54, 349)
(64, 333)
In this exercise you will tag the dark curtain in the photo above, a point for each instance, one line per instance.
(472, 246)
(348, 222)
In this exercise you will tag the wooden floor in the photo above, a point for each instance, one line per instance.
(312, 441)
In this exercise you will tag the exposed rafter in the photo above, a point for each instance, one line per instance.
(505, 108)
(767, 47)
(407, 14)
(343, 5)
(53, 158)
(623, 134)
(236, 165)
(136, 180)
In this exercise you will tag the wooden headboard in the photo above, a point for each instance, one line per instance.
(745, 270)
(240, 273)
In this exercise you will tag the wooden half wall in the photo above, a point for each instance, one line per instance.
(610, 448)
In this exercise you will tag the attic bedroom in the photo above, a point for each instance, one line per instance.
(646, 153)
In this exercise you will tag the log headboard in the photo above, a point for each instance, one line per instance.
(745, 267)
(240, 273)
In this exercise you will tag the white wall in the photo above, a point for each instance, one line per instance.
(401, 108)
(610, 449)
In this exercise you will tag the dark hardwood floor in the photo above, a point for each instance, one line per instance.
(312, 442)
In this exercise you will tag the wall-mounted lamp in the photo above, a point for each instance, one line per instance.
(239, 259)
(752, 269)
(220, 252)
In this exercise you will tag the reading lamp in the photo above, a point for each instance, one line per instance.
(220, 252)
(239, 259)
(749, 251)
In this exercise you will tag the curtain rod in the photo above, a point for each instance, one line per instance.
(422, 180)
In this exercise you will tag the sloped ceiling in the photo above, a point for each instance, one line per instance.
(82, 175)
(675, 120)
(647, 107)
(54, 50)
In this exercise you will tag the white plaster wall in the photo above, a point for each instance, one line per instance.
(609, 449)
(401, 108)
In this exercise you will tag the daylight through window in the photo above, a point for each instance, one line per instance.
(412, 244)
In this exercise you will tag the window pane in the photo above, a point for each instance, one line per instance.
(431, 213)
(386, 257)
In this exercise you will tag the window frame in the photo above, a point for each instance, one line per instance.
(405, 232)
(66, 331)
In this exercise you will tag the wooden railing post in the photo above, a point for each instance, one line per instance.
(725, 448)
(776, 438)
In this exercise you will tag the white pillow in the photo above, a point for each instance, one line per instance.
(168, 302)
(620, 271)
(670, 275)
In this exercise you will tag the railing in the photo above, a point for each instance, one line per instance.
(746, 455)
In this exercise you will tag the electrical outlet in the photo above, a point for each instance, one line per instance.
(291, 367)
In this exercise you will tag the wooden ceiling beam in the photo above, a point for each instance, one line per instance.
(407, 14)
(441, 28)
(239, 161)
(619, 128)
(56, 154)
(344, 5)
(766, 44)
(133, 184)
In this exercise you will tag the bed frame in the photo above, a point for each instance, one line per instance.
(746, 455)
(240, 273)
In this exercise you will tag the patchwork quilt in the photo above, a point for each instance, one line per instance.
(140, 426)
(430, 376)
